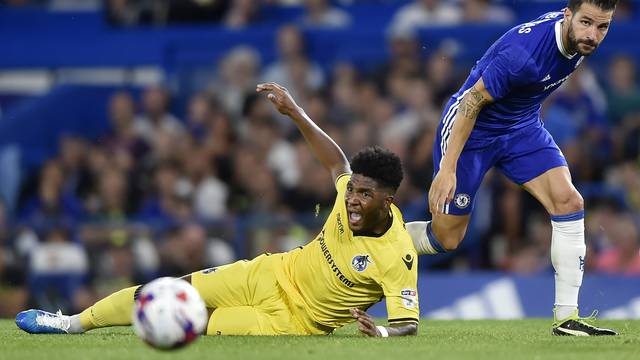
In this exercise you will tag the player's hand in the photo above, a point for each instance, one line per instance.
(280, 97)
(442, 190)
(365, 323)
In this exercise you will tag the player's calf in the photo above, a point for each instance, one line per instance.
(443, 234)
(425, 240)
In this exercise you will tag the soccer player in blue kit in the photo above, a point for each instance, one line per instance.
(494, 121)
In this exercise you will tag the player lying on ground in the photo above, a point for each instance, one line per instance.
(362, 254)
(494, 121)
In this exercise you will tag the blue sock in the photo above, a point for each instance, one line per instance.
(433, 240)
(568, 217)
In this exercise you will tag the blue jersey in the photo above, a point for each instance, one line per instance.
(519, 71)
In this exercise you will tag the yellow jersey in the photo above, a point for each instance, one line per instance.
(338, 271)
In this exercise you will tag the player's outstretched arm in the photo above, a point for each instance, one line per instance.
(444, 184)
(369, 328)
(322, 146)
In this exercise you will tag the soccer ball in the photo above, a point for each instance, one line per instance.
(169, 313)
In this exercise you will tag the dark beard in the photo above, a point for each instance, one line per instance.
(572, 46)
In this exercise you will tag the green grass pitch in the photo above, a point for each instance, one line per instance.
(519, 339)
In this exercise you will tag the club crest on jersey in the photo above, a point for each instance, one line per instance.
(360, 262)
(461, 201)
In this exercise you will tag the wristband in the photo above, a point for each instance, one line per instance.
(383, 331)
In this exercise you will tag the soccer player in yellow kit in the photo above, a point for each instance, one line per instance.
(363, 254)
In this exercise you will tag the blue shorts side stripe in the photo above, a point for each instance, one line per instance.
(445, 137)
(447, 122)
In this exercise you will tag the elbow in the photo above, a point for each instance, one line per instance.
(408, 330)
(412, 330)
(340, 169)
(404, 329)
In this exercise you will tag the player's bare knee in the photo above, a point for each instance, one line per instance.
(569, 202)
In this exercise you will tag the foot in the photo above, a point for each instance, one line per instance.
(577, 326)
(42, 322)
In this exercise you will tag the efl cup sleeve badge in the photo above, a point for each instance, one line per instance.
(409, 298)
(462, 200)
(360, 262)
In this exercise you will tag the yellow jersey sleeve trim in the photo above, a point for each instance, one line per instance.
(341, 182)
(403, 320)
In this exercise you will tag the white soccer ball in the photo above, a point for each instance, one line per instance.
(169, 313)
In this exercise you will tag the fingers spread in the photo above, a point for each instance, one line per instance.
(367, 323)
(278, 86)
(365, 330)
(364, 319)
(354, 313)
(450, 196)
(264, 87)
(437, 203)
(432, 201)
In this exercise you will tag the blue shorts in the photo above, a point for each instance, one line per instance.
(521, 155)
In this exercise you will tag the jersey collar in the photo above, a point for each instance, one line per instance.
(558, 30)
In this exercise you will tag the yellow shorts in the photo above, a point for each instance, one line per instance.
(247, 299)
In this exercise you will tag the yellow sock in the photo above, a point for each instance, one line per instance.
(113, 310)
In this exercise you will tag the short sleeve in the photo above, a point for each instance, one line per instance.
(341, 188)
(510, 68)
(400, 287)
(341, 182)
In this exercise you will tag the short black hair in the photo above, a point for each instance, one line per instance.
(606, 5)
(380, 164)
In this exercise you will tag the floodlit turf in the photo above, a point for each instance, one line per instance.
(522, 339)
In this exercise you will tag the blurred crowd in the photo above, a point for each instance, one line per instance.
(168, 192)
(317, 13)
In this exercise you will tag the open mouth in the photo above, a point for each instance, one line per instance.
(355, 218)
